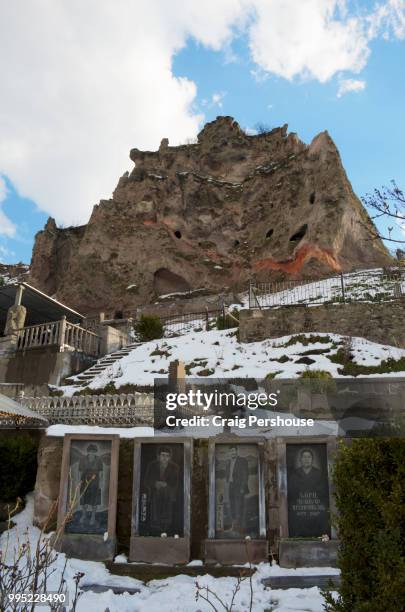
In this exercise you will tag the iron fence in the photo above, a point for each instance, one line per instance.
(182, 323)
(363, 286)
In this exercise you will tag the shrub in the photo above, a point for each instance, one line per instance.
(18, 461)
(369, 479)
(228, 321)
(319, 381)
(149, 327)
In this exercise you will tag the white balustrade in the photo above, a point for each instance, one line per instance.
(128, 409)
(61, 333)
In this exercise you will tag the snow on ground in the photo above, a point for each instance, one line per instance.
(175, 594)
(365, 285)
(374, 285)
(218, 354)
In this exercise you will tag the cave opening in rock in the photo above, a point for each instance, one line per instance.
(270, 233)
(300, 234)
(312, 197)
(177, 233)
(236, 243)
(166, 281)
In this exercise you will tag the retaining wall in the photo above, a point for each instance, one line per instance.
(383, 323)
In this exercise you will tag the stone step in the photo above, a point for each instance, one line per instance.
(149, 571)
(85, 377)
(101, 364)
(304, 581)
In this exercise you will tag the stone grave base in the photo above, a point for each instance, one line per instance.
(154, 571)
(229, 552)
(86, 546)
(307, 581)
(162, 550)
(307, 553)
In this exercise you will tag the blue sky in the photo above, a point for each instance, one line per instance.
(62, 169)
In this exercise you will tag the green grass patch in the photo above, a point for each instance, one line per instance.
(386, 366)
(160, 353)
(306, 340)
(206, 372)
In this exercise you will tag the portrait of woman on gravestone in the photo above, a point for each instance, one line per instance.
(88, 488)
(307, 490)
(161, 490)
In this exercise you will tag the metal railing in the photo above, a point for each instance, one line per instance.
(58, 333)
(363, 286)
(125, 409)
(181, 323)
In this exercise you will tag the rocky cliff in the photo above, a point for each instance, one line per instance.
(210, 214)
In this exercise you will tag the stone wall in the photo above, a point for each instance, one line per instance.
(48, 477)
(44, 365)
(383, 323)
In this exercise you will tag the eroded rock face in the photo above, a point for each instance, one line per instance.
(211, 214)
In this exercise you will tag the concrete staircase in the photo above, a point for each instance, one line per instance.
(87, 376)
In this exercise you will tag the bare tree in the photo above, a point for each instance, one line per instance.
(387, 203)
(26, 567)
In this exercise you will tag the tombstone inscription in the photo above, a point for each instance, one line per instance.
(307, 490)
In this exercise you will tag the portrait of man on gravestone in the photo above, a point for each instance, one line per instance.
(308, 490)
(237, 490)
(89, 471)
(161, 499)
(237, 479)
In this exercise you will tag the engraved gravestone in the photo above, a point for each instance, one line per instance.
(307, 490)
(236, 491)
(89, 483)
(161, 500)
(88, 496)
(161, 490)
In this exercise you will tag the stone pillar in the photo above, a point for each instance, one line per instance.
(15, 319)
(177, 376)
(18, 295)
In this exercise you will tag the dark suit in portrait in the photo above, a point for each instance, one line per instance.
(162, 485)
(237, 477)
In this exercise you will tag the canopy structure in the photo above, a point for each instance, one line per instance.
(12, 414)
(41, 308)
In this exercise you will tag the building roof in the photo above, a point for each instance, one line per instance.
(11, 410)
(41, 308)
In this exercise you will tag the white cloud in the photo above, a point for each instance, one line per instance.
(83, 82)
(310, 39)
(7, 227)
(350, 85)
(217, 99)
(3, 189)
(6, 255)
(388, 20)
